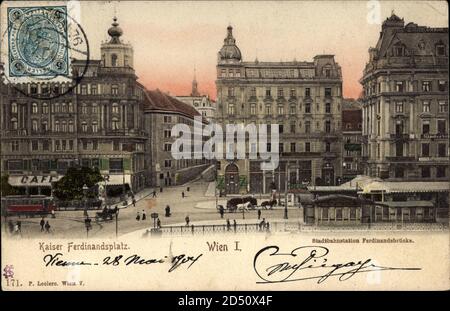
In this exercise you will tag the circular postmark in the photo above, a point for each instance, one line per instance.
(45, 45)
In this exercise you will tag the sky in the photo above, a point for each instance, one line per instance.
(170, 39)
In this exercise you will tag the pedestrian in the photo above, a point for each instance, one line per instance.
(160, 189)
(53, 213)
(167, 211)
(259, 214)
(234, 225)
(42, 223)
(158, 223)
(187, 220)
(138, 216)
(228, 225)
(19, 226)
(267, 227)
(144, 216)
(134, 202)
(182, 194)
(221, 211)
(10, 227)
(262, 224)
(188, 189)
(154, 193)
(47, 227)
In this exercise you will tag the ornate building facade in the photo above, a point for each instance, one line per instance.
(405, 104)
(351, 139)
(97, 124)
(303, 98)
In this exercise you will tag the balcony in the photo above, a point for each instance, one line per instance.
(434, 136)
(400, 159)
(399, 136)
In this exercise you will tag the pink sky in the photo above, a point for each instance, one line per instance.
(171, 38)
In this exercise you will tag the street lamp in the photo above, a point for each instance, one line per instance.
(117, 222)
(86, 221)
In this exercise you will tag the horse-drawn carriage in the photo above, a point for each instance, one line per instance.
(106, 214)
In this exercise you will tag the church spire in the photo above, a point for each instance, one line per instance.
(194, 91)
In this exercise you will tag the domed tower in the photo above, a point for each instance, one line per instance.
(115, 53)
(229, 53)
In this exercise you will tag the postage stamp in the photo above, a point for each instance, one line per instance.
(38, 44)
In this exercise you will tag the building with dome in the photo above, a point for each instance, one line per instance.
(98, 124)
(302, 97)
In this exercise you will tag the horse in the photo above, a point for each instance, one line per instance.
(268, 204)
(244, 206)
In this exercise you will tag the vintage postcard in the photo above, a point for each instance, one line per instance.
(224, 145)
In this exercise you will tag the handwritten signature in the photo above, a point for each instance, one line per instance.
(308, 263)
(175, 262)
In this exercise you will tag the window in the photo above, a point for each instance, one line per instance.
(292, 109)
(442, 148)
(425, 150)
(327, 126)
(94, 108)
(64, 107)
(398, 50)
(399, 149)
(440, 50)
(84, 89)
(45, 108)
(115, 145)
(292, 127)
(268, 94)
(307, 147)
(114, 89)
(280, 93)
(268, 109)
(252, 148)
(399, 107)
(253, 109)
(84, 109)
(167, 133)
(33, 89)
(327, 92)
(84, 126)
(167, 147)
(224, 73)
(307, 108)
(70, 107)
(442, 85)
(116, 165)
(115, 108)
(307, 127)
(94, 127)
(327, 108)
(399, 172)
(231, 109)
(441, 171)
(115, 124)
(64, 126)
(34, 126)
(57, 145)
(327, 147)
(280, 128)
(269, 147)
(45, 145)
(85, 145)
(441, 127)
(94, 89)
(398, 127)
(167, 163)
(237, 73)
(426, 106)
(167, 119)
(231, 92)
(426, 172)
(253, 92)
(280, 147)
(15, 145)
(399, 86)
(442, 106)
(56, 107)
(44, 126)
(425, 127)
(113, 60)
(426, 86)
(280, 109)
(94, 145)
(293, 147)
(293, 93)
(307, 92)
(71, 128)
(34, 108)
(57, 126)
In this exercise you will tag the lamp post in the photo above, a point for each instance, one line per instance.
(286, 192)
(117, 222)
(86, 221)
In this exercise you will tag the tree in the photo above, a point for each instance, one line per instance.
(6, 188)
(70, 187)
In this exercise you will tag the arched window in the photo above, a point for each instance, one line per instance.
(84, 108)
(84, 126)
(94, 127)
(113, 60)
(63, 107)
(34, 126)
(13, 108)
(71, 126)
(44, 108)
(70, 107)
(94, 108)
(64, 126)
(327, 108)
(34, 108)
(56, 126)
(115, 108)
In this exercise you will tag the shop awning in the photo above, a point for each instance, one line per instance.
(112, 180)
(33, 180)
(408, 204)
(408, 186)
